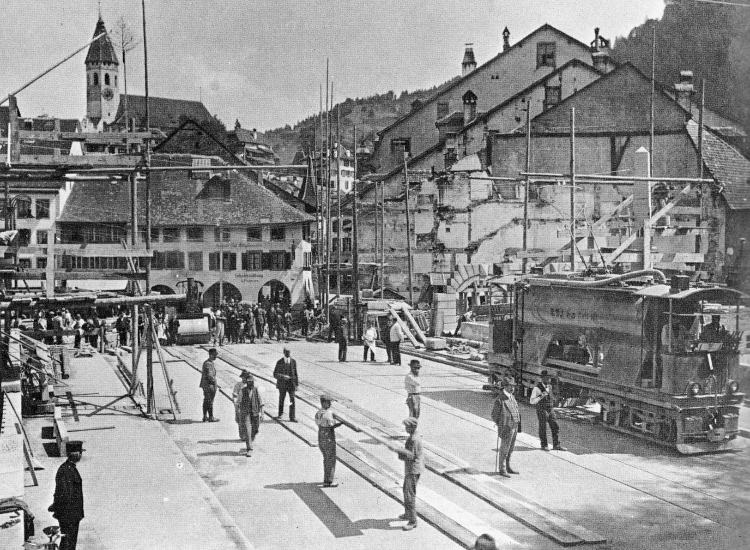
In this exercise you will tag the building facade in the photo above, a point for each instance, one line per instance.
(233, 236)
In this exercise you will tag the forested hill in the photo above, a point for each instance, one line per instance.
(710, 39)
(370, 114)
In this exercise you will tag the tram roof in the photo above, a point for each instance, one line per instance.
(665, 291)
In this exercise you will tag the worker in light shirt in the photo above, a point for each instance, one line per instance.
(413, 388)
(541, 398)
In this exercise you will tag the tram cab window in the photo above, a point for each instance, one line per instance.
(715, 331)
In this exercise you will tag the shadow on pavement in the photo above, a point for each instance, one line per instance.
(224, 453)
(217, 441)
(319, 503)
(183, 421)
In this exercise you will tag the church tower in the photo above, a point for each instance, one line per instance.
(102, 71)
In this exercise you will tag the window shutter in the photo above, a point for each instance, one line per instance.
(265, 261)
(287, 260)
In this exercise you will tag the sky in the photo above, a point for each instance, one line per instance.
(264, 62)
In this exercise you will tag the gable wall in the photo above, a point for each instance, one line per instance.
(504, 77)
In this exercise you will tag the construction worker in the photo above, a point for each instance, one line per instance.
(413, 386)
(209, 386)
(413, 457)
(327, 439)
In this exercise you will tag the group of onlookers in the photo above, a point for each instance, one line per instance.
(238, 323)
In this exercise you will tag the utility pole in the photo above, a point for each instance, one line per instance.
(653, 94)
(408, 232)
(382, 237)
(573, 189)
(700, 129)
(150, 397)
(338, 200)
(355, 244)
(135, 356)
(328, 200)
(526, 185)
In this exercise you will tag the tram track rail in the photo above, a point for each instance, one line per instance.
(583, 448)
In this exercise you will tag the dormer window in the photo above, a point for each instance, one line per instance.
(216, 188)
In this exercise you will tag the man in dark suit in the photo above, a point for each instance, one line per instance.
(506, 415)
(285, 374)
(67, 507)
(342, 337)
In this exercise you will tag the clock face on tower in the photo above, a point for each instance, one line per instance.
(108, 94)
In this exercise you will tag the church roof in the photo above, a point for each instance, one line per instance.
(164, 112)
(101, 51)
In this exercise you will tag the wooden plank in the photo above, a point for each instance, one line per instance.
(450, 519)
(534, 516)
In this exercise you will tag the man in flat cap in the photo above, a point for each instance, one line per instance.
(413, 388)
(67, 507)
(541, 398)
(209, 385)
(508, 419)
(413, 457)
(327, 439)
(287, 381)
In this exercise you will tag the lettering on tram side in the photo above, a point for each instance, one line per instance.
(572, 315)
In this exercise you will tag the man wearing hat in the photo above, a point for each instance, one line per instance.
(67, 507)
(327, 439)
(209, 386)
(413, 457)
(413, 386)
(395, 337)
(342, 338)
(249, 410)
(287, 381)
(541, 398)
(508, 419)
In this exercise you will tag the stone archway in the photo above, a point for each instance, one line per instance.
(275, 291)
(211, 295)
(162, 289)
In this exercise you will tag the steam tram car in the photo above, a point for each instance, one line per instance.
(661, 361)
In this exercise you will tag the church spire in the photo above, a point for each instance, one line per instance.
(101, 51)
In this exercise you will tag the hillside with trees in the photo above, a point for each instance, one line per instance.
(710, 39)
(369, 114)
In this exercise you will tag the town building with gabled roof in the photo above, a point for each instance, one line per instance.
(503, 76)
(212, 225)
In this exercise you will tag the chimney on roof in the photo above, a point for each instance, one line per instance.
(469, 63)
(684, 89)
(506, 39)
(255, 134)
(600, 53)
